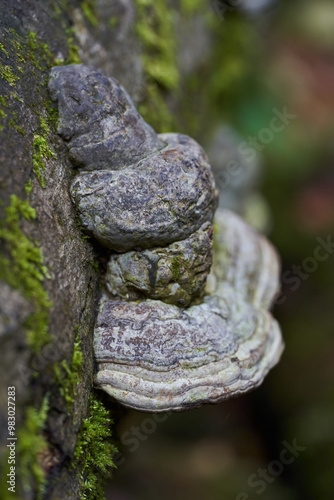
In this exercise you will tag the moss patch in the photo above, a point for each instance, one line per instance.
(175, 268)
(38, 56)
(25, 270)
(41, 151)
(7, 74)
(28, 187)
(112, 22)
(189, 7)
(88, 10)
(154, 28)
(68, 381)
(4, 50)
(38, 51)
(94, 451)
(73, 49)
(18, 129)
(30, 445)
(52, 115)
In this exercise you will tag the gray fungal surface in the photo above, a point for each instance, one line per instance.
(161, 199)
(98, 120)
(175, 274)
(157, 357)
(252, 267)
(173, 331)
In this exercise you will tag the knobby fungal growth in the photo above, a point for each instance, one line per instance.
(178, 325)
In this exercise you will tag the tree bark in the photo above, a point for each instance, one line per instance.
(45, 257)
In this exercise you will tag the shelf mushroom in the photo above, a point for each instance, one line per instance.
(179, 324)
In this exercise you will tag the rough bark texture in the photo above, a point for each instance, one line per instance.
(32, 152)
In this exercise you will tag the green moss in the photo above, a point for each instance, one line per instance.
(226, 76)
(175, 268)
(189, 7)
(32, 42)
(30, 445)
(235, 56)
(28, 187)
(33, 46)
(112, 22)
(41, 151)
(154, 28)
(45, 53)
(18, 48)
(3, 101)
(88, 8)
(94, 451)
(31, 50)
(43, 126)
(36, 52)
(18, 129)
(85, 237)
(68, 381)
(25, 270)
(2, 114)
(7, 74)
(73, 49)
(18, 99)
(4, 50)
(52, 115)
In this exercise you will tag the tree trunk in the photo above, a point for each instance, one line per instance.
(48, 269)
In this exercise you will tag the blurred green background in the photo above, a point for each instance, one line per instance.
(236, 64)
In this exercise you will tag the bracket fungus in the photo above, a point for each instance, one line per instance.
(179, 324)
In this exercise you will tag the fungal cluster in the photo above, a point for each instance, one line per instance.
(179, 325)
